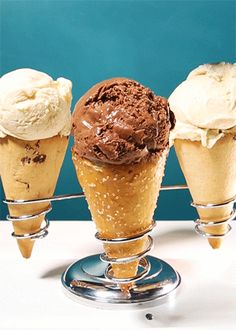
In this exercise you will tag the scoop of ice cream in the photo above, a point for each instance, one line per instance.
(120, 121)
(34, 106)
(205, 104)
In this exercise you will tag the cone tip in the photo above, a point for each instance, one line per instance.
(215, 243)
(25, 247)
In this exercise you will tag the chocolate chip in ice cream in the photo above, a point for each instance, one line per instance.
(39, 158)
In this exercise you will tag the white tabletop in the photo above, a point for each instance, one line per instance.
(31, 294)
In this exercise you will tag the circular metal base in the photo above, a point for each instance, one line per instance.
(85, 279)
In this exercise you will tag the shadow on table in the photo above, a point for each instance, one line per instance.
(57, 271)
(178, 235)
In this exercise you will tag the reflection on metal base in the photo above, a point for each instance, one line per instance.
(85, 279)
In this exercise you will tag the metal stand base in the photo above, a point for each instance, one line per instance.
(85, 279)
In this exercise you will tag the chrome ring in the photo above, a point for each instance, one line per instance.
(200, 225)
(215, 223)
(212, 205)
(41, 233)
(199, 231)
(144, 263)
(126, 260)
(126, 240)
(29, 217)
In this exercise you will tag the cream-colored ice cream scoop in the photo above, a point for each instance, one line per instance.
(35, 123)
(33, 105)
(205, 104)
(205, 142)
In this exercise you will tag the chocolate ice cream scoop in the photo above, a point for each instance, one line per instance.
(119, 121)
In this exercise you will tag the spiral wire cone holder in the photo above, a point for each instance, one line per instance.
(143, 262)
(91, 278)
(43, 232)
(201, 225)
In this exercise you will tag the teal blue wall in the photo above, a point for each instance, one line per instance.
(154, 42)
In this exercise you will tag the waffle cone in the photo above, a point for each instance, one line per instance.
(29, 170)
(211, 178)
(122, 200)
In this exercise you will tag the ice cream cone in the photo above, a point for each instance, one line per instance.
(29, 170)
(122, 200)
(211, 177)
(121, 140)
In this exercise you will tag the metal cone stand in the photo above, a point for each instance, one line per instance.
(91, 278)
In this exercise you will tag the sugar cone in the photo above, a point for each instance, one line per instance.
(29, 170)
(122, 200)
(211, 178)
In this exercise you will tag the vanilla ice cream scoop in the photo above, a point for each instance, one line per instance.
(205, 104)
(34, 106)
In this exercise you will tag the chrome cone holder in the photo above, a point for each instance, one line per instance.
(201, 225)
(92, 278)
(43, 232)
